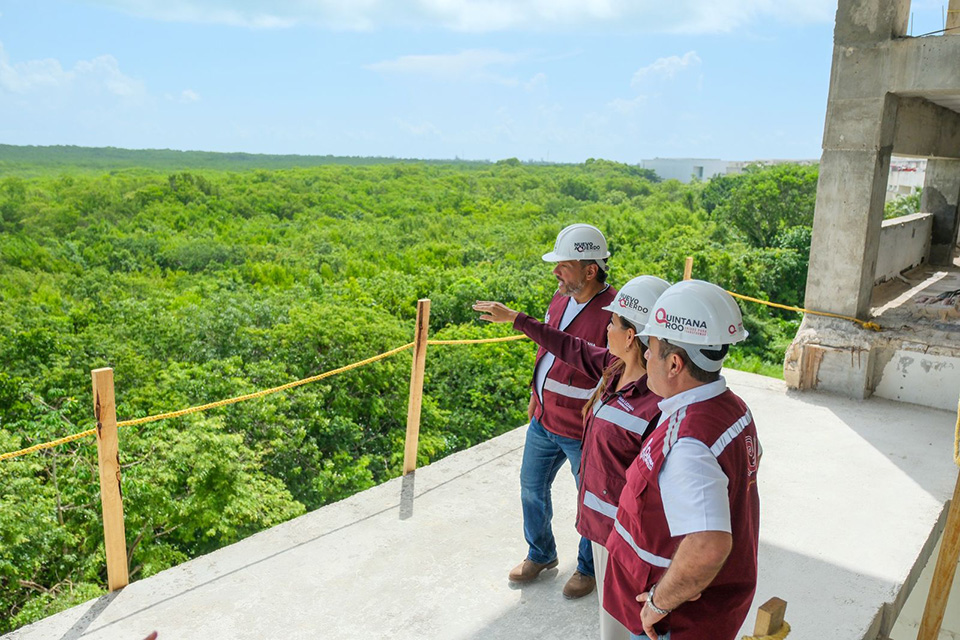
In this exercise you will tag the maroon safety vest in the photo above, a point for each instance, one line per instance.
(616, 424)
(641, 546)
(566, 390)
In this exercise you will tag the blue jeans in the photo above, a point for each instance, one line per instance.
(543, 455)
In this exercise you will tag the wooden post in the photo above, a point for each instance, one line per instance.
(688, 268)
(111, 498)
(943, 573)
(953, 18)
(770, 617)
(416, 386)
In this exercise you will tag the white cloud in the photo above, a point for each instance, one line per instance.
(472, 63)
(189, 95)
(665, 68)
(653, 81)
(680, 16)
(99, 75)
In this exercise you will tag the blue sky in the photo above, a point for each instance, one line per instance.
(557, 80)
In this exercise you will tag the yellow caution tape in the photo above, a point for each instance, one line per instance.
(204, 407)
(478, 341)
(779, 635)
(873, 326)
(260, 394)
(48, 445)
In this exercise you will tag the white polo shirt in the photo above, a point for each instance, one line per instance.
(540, 375)
(692, 484)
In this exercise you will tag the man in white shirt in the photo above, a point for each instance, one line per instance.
(683, 552)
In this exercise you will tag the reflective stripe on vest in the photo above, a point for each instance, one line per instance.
(602, 507)
(566, 390)
(643, 554)
(622, 419)
(732, 432)
(673, 430)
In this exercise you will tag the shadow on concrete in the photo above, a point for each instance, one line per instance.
(815, 590)
(547, 575)
(409, 509)
(97, 607)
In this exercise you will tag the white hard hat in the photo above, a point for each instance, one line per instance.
(579, 242)
(636, 298)
(699, 317)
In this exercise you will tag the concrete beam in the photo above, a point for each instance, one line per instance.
(941, 196)
(927, 130)
(922, 66)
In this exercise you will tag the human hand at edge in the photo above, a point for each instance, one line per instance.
(495, 311)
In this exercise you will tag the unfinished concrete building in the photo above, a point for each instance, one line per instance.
(889, 94)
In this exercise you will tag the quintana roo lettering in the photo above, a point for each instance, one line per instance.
(680, 323)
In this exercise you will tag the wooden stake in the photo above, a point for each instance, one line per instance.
(688, 268)
(416, 386)
(111, 497)
(770, 617)
(943, 573)
(953, 18)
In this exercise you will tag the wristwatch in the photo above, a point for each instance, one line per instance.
(655, 608)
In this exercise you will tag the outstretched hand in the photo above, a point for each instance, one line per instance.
(495, 311)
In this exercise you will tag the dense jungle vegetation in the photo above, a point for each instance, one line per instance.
(204, 284)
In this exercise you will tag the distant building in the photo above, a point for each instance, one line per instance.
(906, 176)
(688, 169)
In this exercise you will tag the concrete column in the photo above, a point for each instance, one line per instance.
(858, 140)
(941, 195)
(953, 18)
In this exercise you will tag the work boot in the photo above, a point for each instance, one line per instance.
(578, 586)
(529, 570)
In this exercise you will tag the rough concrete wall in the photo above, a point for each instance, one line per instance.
(865, 21)
(904, 244)
(941, 196)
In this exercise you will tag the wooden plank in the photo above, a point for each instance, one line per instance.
(770, 617)
(688, 268)
(416, 386)
(111, 497)
(810, 358)
(943, 573)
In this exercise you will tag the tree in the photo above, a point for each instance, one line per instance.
(763, 202)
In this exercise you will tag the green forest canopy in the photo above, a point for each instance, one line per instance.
(204, 284)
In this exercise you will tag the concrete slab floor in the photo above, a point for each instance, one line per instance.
(852, 498)
(908, 302)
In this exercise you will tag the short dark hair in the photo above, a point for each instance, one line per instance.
(696, 372)
(601, 272)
